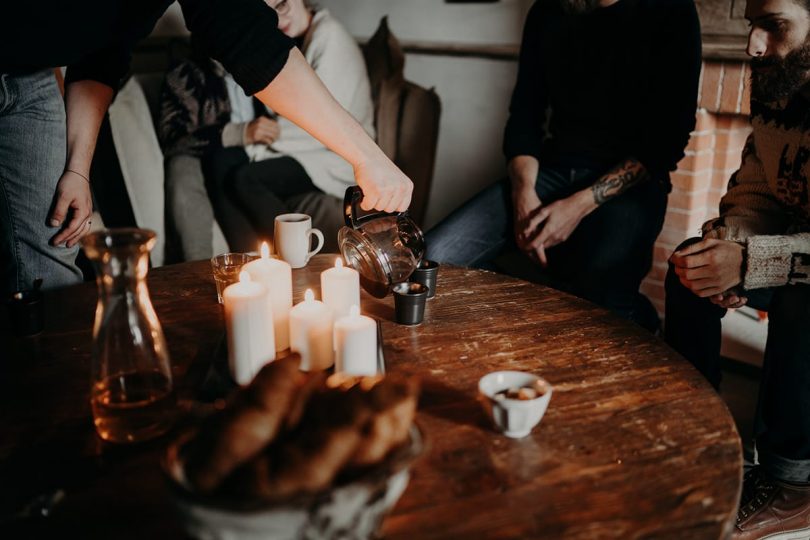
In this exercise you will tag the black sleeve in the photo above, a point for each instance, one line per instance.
(243, 35)
(110, 63)
(672, 100)
(524, 131)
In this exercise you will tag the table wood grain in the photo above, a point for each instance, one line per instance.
(635, 444)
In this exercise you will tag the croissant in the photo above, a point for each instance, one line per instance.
(290, 433)
(241, 431)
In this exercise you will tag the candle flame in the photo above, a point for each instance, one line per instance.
(265, 250)
(354, 311)
(244, 277)
(338, 263)
(309, 296)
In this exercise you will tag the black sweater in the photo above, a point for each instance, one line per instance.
(94, 38)
(620, 82)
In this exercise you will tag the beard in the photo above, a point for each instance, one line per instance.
(784, 76)
(579, 6)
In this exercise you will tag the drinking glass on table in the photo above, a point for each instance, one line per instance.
(226, 269)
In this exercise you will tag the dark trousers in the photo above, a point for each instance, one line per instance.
(603, 261)
(219, 168)
(782, 426)
(247, 196)
(262, 190)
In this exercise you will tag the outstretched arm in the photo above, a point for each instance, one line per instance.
(299, 95)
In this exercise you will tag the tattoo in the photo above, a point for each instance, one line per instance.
(618, 180)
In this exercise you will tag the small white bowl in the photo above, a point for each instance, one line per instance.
(514, 417)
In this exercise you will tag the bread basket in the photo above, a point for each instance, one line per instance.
(353, 508)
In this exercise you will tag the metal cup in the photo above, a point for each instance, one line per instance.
(426, 274)
(26, 312)
(409, 302)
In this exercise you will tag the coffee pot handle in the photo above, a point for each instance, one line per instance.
(351, 209)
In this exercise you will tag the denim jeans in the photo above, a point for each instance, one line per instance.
(782, 422)
(32, 158)
(605, 258)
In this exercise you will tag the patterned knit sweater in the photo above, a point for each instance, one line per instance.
(766, 206)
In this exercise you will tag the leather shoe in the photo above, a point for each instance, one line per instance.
(772, 510)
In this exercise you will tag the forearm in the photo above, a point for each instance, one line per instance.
(298, 95)
(523, 171)
(86, 102)
(627, 174)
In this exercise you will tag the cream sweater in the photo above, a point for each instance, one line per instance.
(336, 58)
(766, 206)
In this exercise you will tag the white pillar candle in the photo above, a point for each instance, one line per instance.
(340, 288)
(249, 327)
(356, 344)
(311, 325)
(276, 275)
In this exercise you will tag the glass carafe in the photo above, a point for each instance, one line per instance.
(384, 248)
(132, 395)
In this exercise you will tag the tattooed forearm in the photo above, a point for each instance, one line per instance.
(621, 178)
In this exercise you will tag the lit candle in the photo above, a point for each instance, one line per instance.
(276, 275)
(340, 288)
(311, 333)
(356, 344)
(249, 327)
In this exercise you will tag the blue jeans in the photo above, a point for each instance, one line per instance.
(32, 158)
(782, 422)
(603, 261)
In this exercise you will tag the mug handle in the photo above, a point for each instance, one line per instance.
(319, 235)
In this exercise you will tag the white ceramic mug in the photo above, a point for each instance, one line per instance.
(291, 237)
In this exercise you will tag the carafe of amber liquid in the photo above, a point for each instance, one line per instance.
(131, 394)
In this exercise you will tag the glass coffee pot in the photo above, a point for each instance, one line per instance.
(131, 396)
(384, 248)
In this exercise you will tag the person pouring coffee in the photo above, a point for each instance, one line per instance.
(47, 145)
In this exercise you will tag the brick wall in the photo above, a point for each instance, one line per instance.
(712, 155)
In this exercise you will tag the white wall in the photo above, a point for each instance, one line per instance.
(474, 91)
(475, 97)
(434, 20)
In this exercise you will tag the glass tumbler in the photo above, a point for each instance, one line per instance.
(226, 268)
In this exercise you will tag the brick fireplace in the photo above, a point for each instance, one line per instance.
(712, 155)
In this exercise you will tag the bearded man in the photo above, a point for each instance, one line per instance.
(601, 112)
(758, 252)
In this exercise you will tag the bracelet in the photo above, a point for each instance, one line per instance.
(78, 174)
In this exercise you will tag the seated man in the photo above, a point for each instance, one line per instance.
(759, 249)
(589, 183)
(256, 164)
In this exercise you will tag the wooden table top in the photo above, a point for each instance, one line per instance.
(635, 444)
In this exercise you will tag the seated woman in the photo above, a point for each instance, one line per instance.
(256, 165)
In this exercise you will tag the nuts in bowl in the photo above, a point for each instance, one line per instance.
(516, 401)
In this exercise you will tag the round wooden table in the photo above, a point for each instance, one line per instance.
(635, 444)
